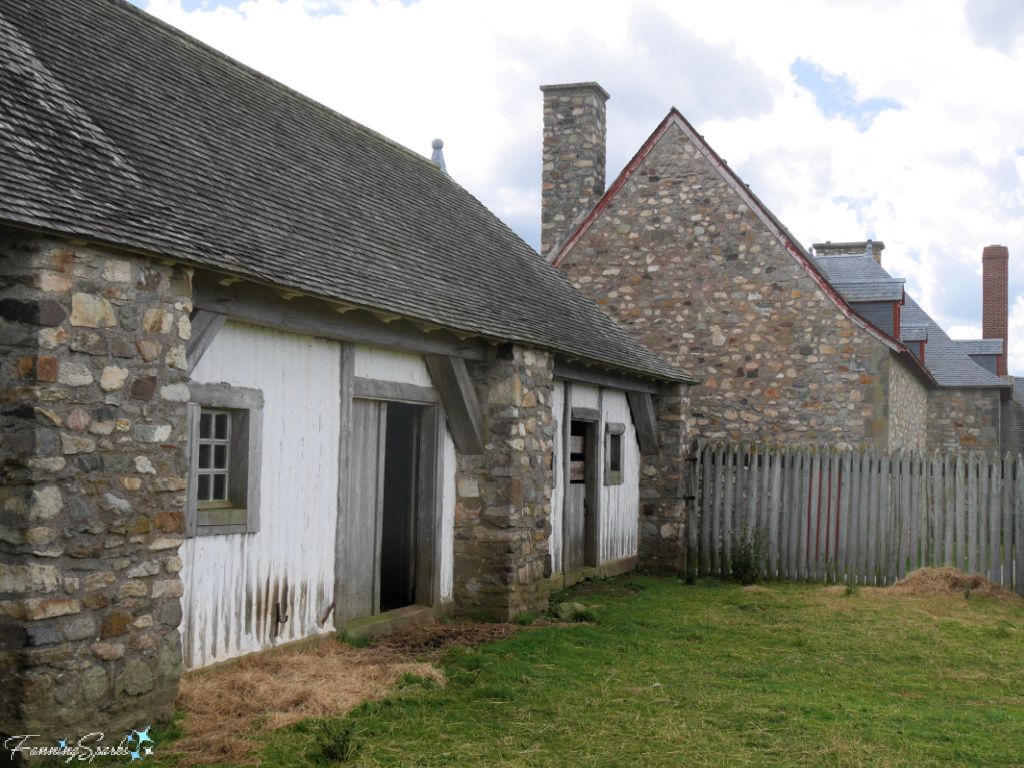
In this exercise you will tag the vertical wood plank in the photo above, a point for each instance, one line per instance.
(716, 508)
(1018, 527)
(903, 523)
(864, 517)
(960, 513)
(787, 459)
(886, 527)
(762, 509)
(727, 519)
(706, 507)
(971, 470)
(995, 520)
(843, 515)
(832, 528)
(774, 510)
(916, 508)
(935, 514)
(949, 509)
(1007, 522)
(983, 514)
(852, 519)
(873, 517)
(753, 491)
(797, 502)
(804, 513)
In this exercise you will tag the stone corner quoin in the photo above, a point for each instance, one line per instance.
(93, 393)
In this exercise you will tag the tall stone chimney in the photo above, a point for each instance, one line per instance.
(572, 180)
(995, 297)
(872, 248)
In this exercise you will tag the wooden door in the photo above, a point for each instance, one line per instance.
(365, 496)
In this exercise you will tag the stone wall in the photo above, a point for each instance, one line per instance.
(908, 409)
(503, 498)
(92, 401)
(664, 486)
(964, 419)
(691, 272)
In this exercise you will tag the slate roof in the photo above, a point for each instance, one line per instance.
(871, 290)
(913, 332)
(118, 128)
(944, 357)
(980, 346)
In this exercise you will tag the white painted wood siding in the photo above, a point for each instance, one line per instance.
(620, 504)
(232, 582)
(403, 368)
(558, 475)
(385, 365)
(584, 396)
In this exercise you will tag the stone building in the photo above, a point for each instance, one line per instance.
(266, 374)
(789, 346)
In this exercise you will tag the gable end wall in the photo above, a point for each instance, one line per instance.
(696, 276)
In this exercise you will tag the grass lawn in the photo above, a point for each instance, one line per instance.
(709, 674)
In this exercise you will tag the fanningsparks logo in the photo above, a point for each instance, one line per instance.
(136, 745)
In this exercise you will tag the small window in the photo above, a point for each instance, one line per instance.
(224, 460)
(613, 454)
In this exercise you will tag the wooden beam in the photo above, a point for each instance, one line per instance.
(642, 407)
(580, 413)
(373, 389)
(205, 327)
(567, 371)
(259, 305)
(465, 417)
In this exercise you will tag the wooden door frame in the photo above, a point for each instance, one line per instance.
(430, 480)
(592, 479)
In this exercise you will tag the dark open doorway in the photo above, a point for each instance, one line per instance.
(398, 528)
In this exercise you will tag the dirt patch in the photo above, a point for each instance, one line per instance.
(754, 588)
(264, 692)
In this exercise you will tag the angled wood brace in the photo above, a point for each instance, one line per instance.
(645, 421)
(465, 418)
(205, 327)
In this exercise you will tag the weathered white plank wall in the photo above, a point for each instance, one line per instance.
(584, 396)
(403, 368)
(620, 504)
(385, 365)
(558, 477)
(232, 582)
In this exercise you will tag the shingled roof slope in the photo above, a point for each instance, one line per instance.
(943, 356)
(121, 129)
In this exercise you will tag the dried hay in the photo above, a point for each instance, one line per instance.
(261, 693)
(939, 582)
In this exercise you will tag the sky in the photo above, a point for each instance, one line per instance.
(895, 120)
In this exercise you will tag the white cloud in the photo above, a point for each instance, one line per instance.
(937, 180)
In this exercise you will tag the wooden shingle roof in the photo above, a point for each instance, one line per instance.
(118, 128)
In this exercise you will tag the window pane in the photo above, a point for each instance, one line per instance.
(221, 427)
(220, 457)
(204, 456)
(205, 426)
(220, 487)
(204, 488)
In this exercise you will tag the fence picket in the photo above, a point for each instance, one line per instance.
(937, 517)
(960, 514)
(1018, 502)
(972, 514)
(914, 540)
(886, 528)
(792, 517)
(983, 514)
(843, 518)
(949, 492)
(753, 491)
(727, 494)
(1006, 479)
(763, 508)
(775, 506)
(903, 520)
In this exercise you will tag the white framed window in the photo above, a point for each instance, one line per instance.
(224, 448)
(613, 453)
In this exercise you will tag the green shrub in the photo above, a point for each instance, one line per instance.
(748, 551)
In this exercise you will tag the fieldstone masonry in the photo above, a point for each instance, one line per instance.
(964, 419)
(503, 498)
(664, 486)
(680, 260)
(93, 387)
(573, 157)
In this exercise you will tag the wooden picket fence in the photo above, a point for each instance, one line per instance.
(871, 518)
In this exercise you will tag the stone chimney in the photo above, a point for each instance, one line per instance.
(873, 248)
(572, 180)
(995, 297)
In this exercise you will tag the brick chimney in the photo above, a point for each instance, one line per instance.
(995, 297)
(572, 180)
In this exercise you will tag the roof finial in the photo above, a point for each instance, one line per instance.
(437, 158)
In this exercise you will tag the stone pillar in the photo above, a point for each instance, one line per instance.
(665, 486)
(995, 298)
(93, 392)
(572, 179)
(503, 504)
